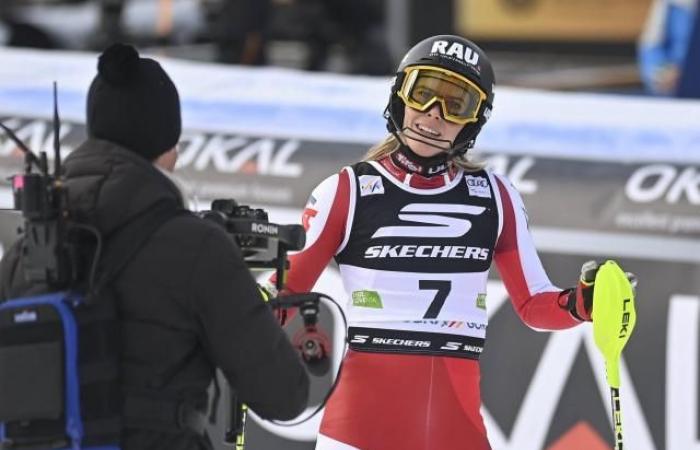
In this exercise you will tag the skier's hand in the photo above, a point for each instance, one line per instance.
(580, 299)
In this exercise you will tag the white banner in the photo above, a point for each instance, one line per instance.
(337, 108)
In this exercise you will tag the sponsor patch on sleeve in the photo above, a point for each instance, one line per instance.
(307, 215)
(371, 185)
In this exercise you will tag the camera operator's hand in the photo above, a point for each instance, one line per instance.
(268, 291)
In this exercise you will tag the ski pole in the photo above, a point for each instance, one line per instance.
(234, 433)
(614, 317)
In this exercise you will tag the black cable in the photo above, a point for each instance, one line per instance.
(56, 133)
(98, 251)
(337, 376)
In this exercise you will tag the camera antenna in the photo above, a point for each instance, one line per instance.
(29, 156)
(56, 133)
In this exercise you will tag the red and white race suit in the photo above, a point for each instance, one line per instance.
(414, 255)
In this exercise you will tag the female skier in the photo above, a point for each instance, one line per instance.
(414, 228)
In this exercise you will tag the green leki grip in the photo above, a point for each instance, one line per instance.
(614, 316)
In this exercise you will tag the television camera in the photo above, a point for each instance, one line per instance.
(264, 246)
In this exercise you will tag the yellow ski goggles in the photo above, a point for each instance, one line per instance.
(459, 98)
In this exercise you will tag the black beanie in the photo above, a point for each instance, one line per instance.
(132, 102)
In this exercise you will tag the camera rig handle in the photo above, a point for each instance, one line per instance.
(288, 237)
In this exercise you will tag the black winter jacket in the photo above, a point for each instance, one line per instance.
(188, 302)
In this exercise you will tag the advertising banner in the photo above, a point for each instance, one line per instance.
(555, 20)
(602, 177)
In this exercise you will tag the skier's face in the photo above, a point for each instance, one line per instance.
(427, 133)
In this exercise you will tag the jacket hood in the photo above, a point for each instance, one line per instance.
(109, 185)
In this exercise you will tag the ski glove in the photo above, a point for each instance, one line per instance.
(267, 291)
(579, 301)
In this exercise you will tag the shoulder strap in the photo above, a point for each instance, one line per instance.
(126, 242)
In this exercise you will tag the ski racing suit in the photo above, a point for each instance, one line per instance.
(414, 254)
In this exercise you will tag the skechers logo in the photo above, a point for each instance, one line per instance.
(461, 346)
(440, 226)
(455, 50)
(427, 251)
(364, 339)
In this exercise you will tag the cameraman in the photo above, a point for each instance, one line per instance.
(186, 301)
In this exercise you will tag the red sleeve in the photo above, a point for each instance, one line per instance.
(533, 296)
(324, 219)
